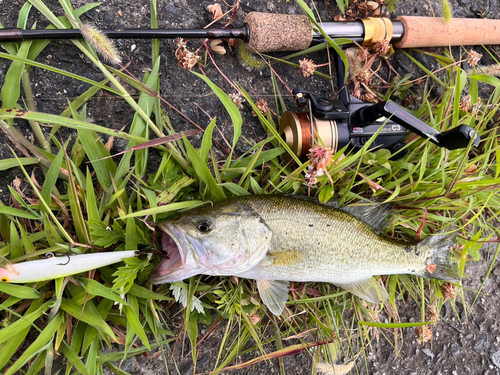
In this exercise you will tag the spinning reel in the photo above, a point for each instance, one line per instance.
(350, 121)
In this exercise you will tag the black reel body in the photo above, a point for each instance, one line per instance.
(352, 122)
(339, 123)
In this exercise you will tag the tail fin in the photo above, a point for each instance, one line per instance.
(437, 264)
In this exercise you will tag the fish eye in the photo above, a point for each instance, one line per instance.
(5, 279)
(204, 225)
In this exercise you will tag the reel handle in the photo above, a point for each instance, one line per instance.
(458, 137)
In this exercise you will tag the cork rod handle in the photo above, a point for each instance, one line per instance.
(433, 32)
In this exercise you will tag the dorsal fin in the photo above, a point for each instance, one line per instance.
(377, 215)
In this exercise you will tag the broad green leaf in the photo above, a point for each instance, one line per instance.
(12, 162)
(11, 88)
(132, 313)
(16, 246)
(18, 213)
(84, 314)
(228, 104)
(203, 172)
(154, 25)
(139, 127)
(326, 193)
(67, 122)
(206, 143)
(491, 80)
(91, 202)
(41, 342)
(256, 187)
(74, 359)
(91, 359)
(96, 152)
(95, 288)
(19, 291)
(51, 177)
(169, 194)
(90, 332)
(139, 291)
(163, 209)
(235, 189)
(22, 19)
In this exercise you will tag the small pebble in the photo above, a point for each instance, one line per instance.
(495, 358)
(428, 352)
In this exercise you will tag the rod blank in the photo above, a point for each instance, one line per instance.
(18, 35)
(277, 32)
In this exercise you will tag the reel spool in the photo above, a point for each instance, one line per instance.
(295, 129)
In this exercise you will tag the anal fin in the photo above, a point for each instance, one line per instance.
(274, 294)
(368, 289)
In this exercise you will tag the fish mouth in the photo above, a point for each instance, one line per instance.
(186, 256)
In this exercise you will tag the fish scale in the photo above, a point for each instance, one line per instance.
(277, 239)
(333, 245)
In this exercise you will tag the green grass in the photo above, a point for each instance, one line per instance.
(108, 199)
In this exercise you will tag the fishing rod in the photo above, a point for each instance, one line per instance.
(265, 32)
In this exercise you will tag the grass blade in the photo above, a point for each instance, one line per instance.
(203, 172)
(84, 314)
(45, 338)
(228, 104)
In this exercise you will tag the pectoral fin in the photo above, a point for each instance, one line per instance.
(274, 294)
(368, 289)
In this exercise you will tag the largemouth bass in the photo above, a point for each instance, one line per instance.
(277, 239)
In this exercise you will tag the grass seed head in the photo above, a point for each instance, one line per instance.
(187, 59)
(247, 59)
(432, 313)
(381, 48)
(492, 70)
(473, 57)
(448, 290)
(307, 67)
(262, 107)
(423, 333)
(465, 103)
(354, 62)
(363, 76)
(237, 100)
(447, 12)
(105, 46)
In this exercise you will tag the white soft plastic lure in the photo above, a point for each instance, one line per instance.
(61, 266)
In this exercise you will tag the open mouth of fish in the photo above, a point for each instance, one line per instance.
(185, 256)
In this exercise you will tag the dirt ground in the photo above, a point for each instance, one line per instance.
(467, 341)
